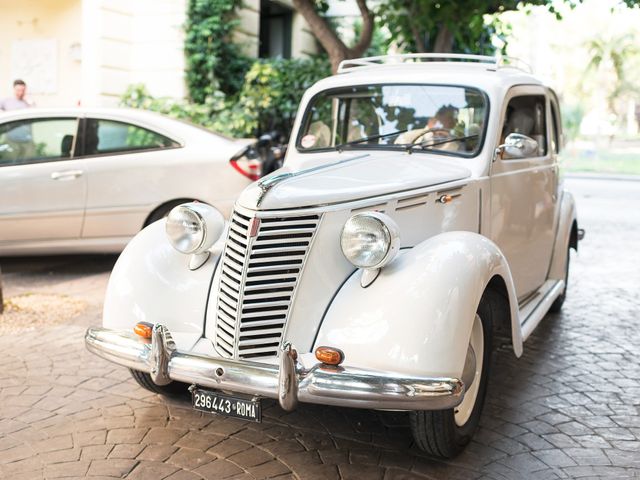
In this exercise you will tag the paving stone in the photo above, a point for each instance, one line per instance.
(523, 462)
(114, 467)
(218, 469)
(95, 452)
(270, 469)
(189, 458)
(83, 439)
(588, 456)
(59, 456)
(183, 475)
(126, 435)
(229, 447)
(61, 442)
(157, 452)
(127, 450)
(200, 441)
(66, 469)
(166, 436)
(353, 472)
(555, 458)
(151, 471)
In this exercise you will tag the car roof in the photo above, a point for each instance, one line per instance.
(166, 125)
(487, 77)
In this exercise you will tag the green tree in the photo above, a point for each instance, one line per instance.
(614, 53)
(214, 62)
(424, 25)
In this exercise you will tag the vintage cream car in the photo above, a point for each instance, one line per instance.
(418, 213)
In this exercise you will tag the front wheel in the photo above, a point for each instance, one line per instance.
(444, 433)
(171, 389)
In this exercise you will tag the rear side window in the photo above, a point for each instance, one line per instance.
(526, 115)
(37, 140)
(109, 136)
(555, 132)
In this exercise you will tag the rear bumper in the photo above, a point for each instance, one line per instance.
(288, 382)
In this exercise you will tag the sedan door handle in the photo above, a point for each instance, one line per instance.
(66, 174)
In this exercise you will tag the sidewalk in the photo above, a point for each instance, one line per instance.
(603, 176)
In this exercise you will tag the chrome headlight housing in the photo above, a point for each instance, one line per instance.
(370, 240)
(193, 228)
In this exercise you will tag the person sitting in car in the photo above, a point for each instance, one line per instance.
(440, 126)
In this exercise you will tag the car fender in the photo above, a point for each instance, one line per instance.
(567, 217)
(151, 282)
(416, 317)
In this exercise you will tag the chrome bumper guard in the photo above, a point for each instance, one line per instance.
(288, 382)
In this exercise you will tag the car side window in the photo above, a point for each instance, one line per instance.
(37, 140)
(555, 133)
(525, 115)
(110, 136)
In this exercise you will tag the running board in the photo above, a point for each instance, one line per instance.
(532, 313)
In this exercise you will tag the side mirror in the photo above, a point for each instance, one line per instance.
(517, 145)
(264, 140)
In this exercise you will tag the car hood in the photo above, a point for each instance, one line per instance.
(347, 177)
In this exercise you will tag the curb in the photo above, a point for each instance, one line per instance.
(603, 176)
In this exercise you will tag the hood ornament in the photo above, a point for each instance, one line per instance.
(271, 181)
(268, 183)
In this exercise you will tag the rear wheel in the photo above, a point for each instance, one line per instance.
(144, 380)
(162, 211)
(444, 433)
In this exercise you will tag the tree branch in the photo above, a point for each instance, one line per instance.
(444, 40)
(328, 38)
(416, 32)
(366, 35)
(335, 48)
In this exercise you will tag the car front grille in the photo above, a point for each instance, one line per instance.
(258, 280)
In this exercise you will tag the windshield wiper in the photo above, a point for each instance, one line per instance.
(372, 137)
(426, 144)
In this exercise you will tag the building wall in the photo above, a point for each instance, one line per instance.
(40, 43)
(128, 42)
(303, 42)
(88, 52)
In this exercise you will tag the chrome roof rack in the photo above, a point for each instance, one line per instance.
(418, 58)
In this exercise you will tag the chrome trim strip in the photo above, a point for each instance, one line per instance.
(338, 386)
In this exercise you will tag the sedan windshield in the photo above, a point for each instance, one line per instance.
(433, 118)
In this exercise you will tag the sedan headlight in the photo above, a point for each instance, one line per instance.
(370, 240)
(194, 227)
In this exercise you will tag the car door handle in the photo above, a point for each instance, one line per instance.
(66, 174)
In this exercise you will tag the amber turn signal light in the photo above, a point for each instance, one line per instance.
(329, 355)
(143, 329)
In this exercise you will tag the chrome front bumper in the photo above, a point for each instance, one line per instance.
(288, 382)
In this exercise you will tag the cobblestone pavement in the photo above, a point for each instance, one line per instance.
(569, 408)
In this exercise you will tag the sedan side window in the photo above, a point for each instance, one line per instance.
(525, 115)
(37, 140)
(109, 136)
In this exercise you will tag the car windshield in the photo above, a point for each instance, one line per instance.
(434, 118)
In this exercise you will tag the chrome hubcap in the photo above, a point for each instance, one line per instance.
(471, 373)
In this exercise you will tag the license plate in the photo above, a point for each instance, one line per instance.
(228, 405)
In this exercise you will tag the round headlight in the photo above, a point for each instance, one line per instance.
(194, 227)
(370, 240)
